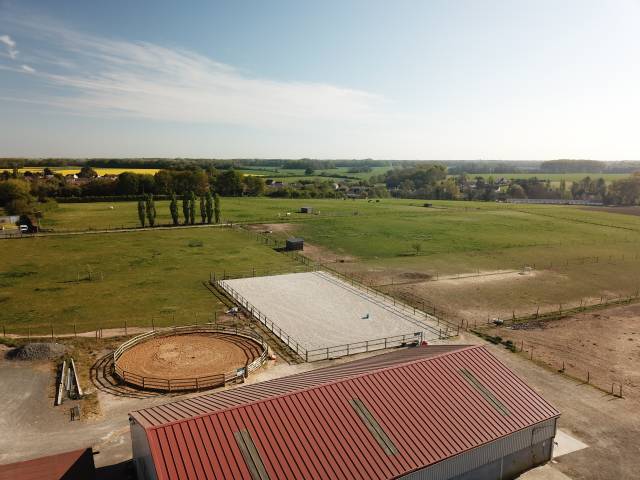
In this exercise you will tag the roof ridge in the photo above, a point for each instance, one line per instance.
(313, 387)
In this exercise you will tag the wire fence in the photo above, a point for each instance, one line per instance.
(110, 228)
(553, 312)
(132, 325)
(539, 353)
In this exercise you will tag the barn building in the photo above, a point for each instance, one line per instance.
(436, 412)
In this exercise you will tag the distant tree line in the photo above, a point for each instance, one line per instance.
(428, 181)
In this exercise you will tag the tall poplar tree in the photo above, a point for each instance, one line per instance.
(203, 211)
(192, 208)
(141, 212)
(151, 210)
(209, 207)
(216, 208)
(173, 208)
(185, 207)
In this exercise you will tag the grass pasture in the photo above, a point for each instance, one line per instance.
(398, 245)
(134, 277)
(100, 215)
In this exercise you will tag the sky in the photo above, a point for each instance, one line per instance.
(408, 79)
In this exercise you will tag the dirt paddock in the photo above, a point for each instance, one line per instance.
(606, 343)
(189, 356)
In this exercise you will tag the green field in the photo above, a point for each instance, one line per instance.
(99, 215)
(103, 280)
(293, 175)
(576, 253)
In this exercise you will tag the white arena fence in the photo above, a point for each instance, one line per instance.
(184, 384)
(325, 353)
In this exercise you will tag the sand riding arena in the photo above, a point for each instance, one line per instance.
(189, 358)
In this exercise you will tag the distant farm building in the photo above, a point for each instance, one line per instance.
(9, 219)
(306, 209)
(294, 243)
(437, 412)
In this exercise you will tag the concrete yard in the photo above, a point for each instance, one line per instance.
(320, 311)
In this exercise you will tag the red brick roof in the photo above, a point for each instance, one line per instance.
(379, 421)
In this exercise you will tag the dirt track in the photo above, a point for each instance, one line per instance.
(189, 356)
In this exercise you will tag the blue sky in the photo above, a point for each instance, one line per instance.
(332, 79)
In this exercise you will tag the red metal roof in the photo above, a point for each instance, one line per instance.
(212, 402)
(427, 409)
(77, 464)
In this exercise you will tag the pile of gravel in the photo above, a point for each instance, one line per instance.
(37, 351)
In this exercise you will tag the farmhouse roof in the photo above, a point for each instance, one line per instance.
(74, 465)
(378, 418)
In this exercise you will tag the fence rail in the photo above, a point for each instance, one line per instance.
(184, 384)
(364, 346)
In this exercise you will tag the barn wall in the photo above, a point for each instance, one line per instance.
(502, 459)
(141, 452)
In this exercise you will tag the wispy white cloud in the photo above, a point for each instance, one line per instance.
(107, 77)
(10, 45)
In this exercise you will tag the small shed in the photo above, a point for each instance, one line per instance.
(306, 209)
(294, 243)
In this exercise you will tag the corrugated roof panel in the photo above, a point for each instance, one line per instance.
(412, 414)
(209, 403)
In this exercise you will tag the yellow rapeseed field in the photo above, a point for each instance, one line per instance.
(101, 171)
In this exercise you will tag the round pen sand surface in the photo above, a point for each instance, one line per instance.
(189, 356)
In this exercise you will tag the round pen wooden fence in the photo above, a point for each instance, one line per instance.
(184, 384)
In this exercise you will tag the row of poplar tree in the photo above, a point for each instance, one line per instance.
(209, 209)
